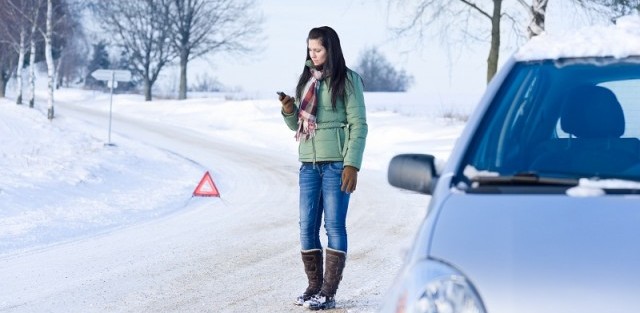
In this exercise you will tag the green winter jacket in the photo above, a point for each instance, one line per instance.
(340, 133)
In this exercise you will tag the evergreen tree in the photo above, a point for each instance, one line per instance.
(99, 60)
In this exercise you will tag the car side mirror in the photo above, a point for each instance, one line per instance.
(415, 172)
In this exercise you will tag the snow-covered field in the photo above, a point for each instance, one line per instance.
(89, 227)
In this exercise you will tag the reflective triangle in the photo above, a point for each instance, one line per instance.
(206, 187)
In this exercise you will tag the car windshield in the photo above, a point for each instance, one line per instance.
(565, 119)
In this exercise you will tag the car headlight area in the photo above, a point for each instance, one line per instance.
(431, 286)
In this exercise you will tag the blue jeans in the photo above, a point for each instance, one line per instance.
(320, 192)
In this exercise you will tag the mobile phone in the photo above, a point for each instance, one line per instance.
(281, 94)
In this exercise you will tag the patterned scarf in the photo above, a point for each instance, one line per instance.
(309, 105)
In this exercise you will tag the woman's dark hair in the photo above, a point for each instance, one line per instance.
(334, 67)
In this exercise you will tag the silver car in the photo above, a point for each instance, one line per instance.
(538, 206)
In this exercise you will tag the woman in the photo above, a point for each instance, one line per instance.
(328, 115)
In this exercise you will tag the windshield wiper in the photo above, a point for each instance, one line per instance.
(523, 179)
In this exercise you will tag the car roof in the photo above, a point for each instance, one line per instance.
(619, 40)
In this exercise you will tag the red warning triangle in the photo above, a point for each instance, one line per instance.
(206, 187)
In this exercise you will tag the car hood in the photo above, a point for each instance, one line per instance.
(544, 253)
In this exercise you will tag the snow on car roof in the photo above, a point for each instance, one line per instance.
(616, 40)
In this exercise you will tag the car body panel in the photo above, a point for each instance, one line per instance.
(528, 253)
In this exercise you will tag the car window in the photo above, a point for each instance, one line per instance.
(568, 118)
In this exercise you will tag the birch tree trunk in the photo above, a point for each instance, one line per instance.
(538, 11)
(21, 52)
(32, 67)
(48, 37)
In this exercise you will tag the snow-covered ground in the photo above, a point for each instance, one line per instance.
(89, 227)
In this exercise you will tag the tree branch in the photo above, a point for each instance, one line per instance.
(474, 6)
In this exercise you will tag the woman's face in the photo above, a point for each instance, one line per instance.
(317, 52)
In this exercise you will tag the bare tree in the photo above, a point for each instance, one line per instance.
(7, 34)
(14, 34)
(56, 14)
(616, 7)
(142, 30)
(7, 65)
(203, 27)
(35, 20)
(608, 8)
(471, 18)
(22, 50)
(28, 18)
(486, 18)
(33, 15)
(48, 38)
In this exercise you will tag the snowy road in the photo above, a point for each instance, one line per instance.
(235, 254)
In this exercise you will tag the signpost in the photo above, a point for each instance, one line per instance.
(112, 77)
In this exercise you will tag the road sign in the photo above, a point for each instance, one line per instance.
(112, 77)
(109, 75)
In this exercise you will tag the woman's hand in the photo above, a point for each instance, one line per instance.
(349, 179)
(287, 103)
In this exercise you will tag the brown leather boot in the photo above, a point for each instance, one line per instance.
(335, 263)
(312, 260)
